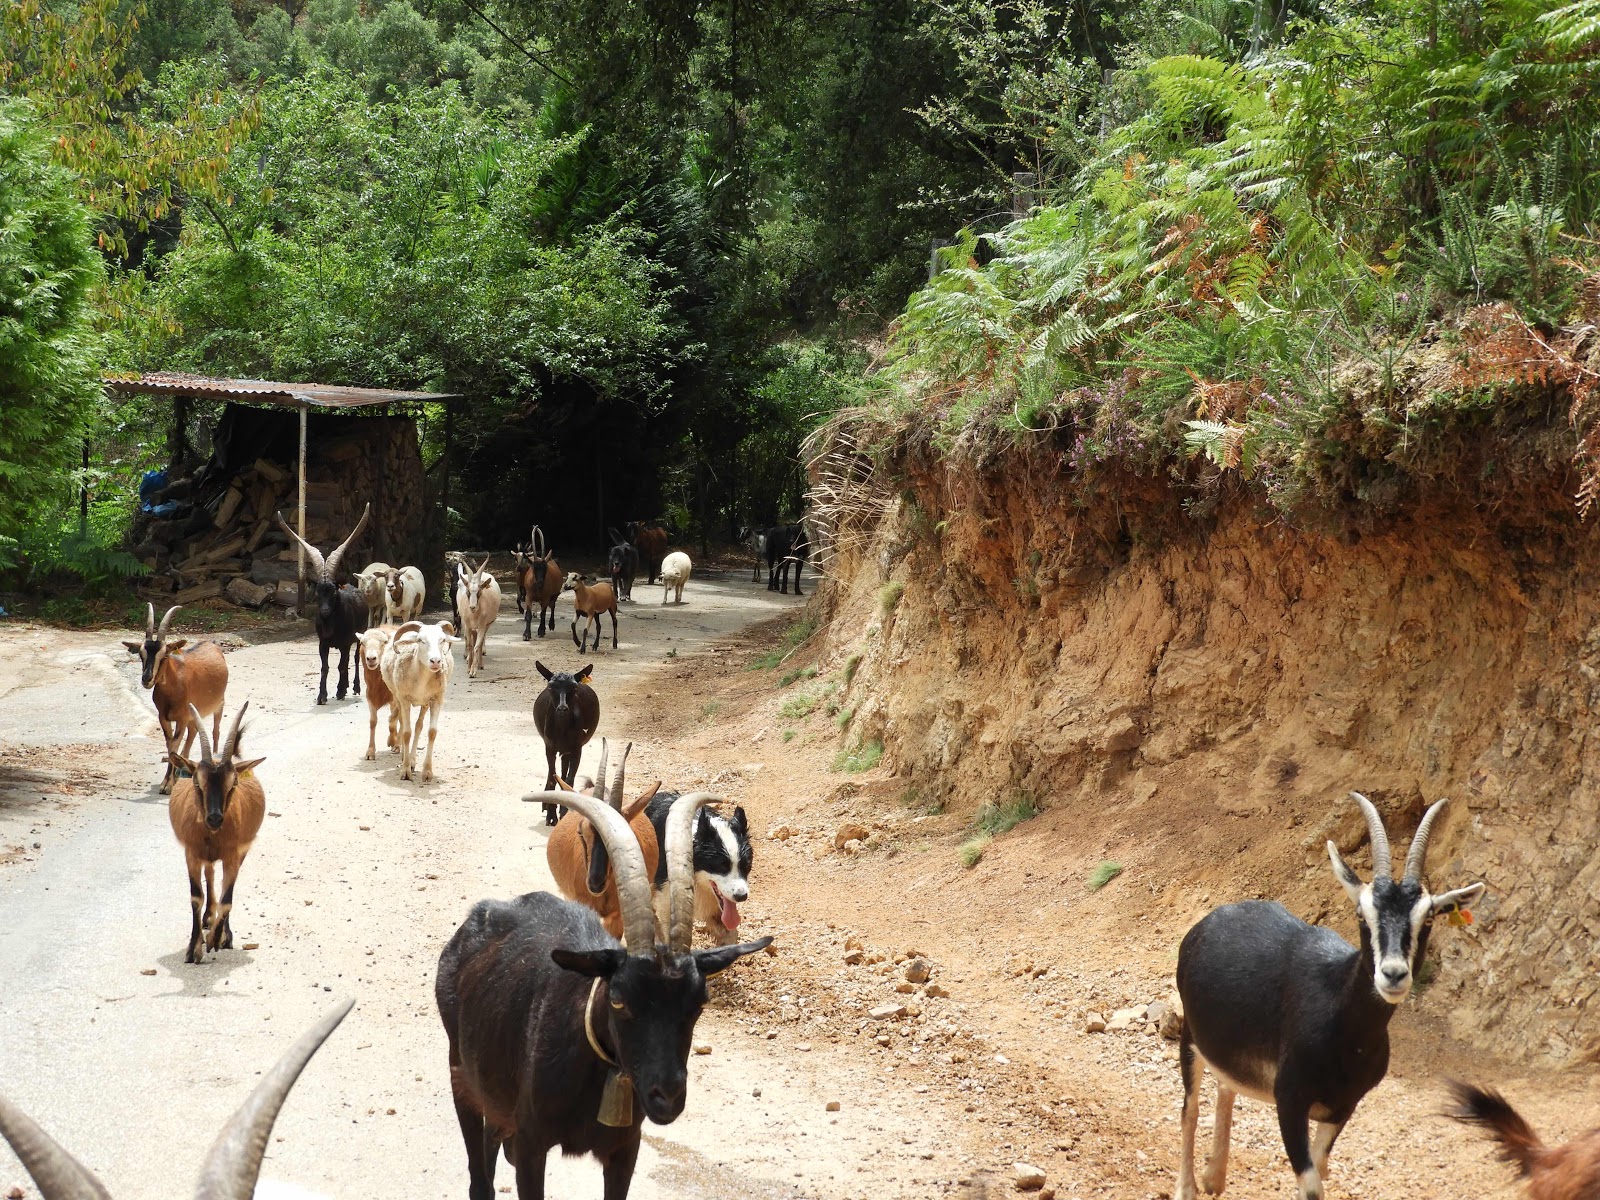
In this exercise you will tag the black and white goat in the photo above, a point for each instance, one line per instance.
(722, 859)
(559, 1036)
(1294, 1015)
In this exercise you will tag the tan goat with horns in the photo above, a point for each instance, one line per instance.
(579, 861)
(216, 815)
(180, 681)
(233, 1162)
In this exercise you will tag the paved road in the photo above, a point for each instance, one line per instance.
(134, 1058)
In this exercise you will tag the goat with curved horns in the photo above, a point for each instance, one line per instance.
(579, 861)
(234, 1161)
(216, 814)
(1292, 1014)
(179, 680)
(560, 1037)
(341, 611)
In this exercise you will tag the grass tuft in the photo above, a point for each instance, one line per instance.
(995, 819)
(797, 708)
(788, 735)
(799, 673)
(850, 665)
(1104, 874)
(972, 850)
(844, 716)
(889, 596)
(863, 758)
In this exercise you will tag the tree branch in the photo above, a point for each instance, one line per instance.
(531, 56)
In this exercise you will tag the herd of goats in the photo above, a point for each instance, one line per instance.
(570, 1020)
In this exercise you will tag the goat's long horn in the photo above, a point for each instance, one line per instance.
(1419, 844)
(485, 566)
(600, 771)
(1380, 840)
(615, 795)
(627, 860)
(230, 744)
(206, 749)
(337, 556)
(150, 621)
(312, 551)
(679, 850)
(234, 1161)
(58, 1175)
(161, 630)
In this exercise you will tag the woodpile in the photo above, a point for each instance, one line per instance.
(224, 541)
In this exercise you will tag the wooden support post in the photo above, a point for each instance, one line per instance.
(83, 495)
(300, 551)
(444, 486)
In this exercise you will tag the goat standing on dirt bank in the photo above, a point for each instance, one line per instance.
(560, 1037)
(1294, 1015)
(216, 814)
(1569, 1172)
(566, 714)
(233, 1164)
(180, 681)
(341, 611)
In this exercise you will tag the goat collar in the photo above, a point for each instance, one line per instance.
(588, 1026)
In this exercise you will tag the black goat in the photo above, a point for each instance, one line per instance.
(650, 540)
(341, 611)
(623, 562)
(566, 714)
(1292, 1014)
(786, 546)
(561, 1038)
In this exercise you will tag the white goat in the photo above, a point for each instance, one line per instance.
(480, 606)
(675, 569)
(373, 584)
(405, 593)
(416, 665)
(370, 645)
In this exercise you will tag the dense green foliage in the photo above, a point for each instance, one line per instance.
(1314, 264)
(49, 376)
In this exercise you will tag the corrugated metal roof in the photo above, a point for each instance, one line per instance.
(263, 391)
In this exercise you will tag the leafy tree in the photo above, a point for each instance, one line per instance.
(49, 375)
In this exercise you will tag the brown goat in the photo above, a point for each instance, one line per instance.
(578, 859)
(590, 601)
(1569, 1172)
(178, 678)
(370, 646)
(216, 814)
(538, 584)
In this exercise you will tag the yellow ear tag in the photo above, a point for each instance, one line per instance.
(1460, 916)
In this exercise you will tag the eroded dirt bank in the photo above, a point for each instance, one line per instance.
(1195, 697)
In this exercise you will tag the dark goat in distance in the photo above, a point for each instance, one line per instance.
(539, 581)
(234, 1161)
(623, 563)
(566, 714)
(341, 611)
(1569, 1172)
(786, 546)
(650, 540)
(561, 1038)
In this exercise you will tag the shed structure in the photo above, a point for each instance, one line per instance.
(276, 442)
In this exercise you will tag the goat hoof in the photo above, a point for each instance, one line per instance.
(322, 699)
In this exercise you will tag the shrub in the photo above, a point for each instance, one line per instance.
(1103, 874)
(995, 819)
(863, 758)
(972, 850)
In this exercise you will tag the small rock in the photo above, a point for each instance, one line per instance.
(251, 946)
(1029, 1178)
(702, 1047)
(14, 1194)
(882, 1039)
(364, 828)
(905, 989)
(756, 1092)
(918, 971)
(804, 1047)
(853, 958)
(783, 833)
(887, 1012)
(148, 971)
(1125, 1018)
(853, 846)
(849, 832)
(854, 943)
(934, 990)
(1001, 1059)
(832, 1106)
(1095, 1024)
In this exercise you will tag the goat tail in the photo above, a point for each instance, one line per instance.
(1490, 1111)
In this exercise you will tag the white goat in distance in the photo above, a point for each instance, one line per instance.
(416, 665)
(480, 608)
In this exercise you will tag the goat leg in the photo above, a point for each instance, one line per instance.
(169, 735)
(1190, 1068)
(433, 732)
(618, 1170)
(527, 623)
(613, 629)
(483, 1151)
(322, 688)
(1214, 1176)
(196, 903)
(221, 926)
(530, 1170)
(1293, 1117)
(344, 673)
(372, 733)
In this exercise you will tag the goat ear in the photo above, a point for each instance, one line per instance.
(563, 786)
(723, 957)
(134, 647)
(1348, 879)
(602, 963)
(542, 669)
(637, 807)
(449, 628)
(177, 644)
(739, 822)
(182, 763)
(249, 765)
(586, 674)
(1459, 899)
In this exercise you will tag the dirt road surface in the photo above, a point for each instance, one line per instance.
(134, 1058)
(359, 879)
